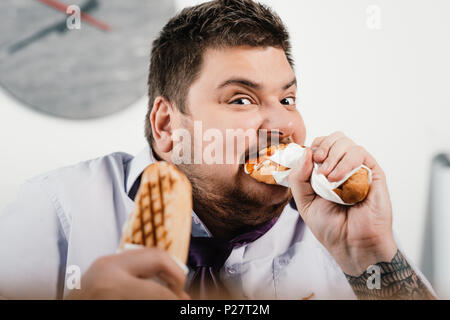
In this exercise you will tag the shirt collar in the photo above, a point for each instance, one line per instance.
(136, 166)
(133, 171)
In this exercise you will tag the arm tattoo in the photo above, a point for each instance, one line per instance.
(397, 281)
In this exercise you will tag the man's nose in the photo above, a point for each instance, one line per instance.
(277, 123)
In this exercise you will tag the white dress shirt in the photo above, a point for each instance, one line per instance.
(74, 215)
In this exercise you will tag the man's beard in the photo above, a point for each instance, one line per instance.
(234, 205)
(230, 204)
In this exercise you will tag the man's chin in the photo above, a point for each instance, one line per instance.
(268, 194)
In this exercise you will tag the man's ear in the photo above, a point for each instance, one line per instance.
(162, 119)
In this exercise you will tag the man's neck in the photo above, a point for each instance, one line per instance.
(225, 229)
(217, 228)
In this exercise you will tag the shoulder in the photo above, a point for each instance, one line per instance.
(85, 170)
(68, 190)
(81, 177)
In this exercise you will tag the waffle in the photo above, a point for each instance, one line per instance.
(162, 214)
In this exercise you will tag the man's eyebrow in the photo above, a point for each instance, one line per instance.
(290, 84)
(251, 84)
(239, 81)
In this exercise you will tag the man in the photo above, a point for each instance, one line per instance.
(218, 66)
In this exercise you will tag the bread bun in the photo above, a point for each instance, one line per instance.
(162, 214)
(261, 168)
(355, 188)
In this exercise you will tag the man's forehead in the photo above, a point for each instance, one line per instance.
(255, 66)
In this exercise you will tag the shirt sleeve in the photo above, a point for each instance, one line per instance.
(32, 246)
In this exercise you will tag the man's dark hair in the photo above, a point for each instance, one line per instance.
(176, 56)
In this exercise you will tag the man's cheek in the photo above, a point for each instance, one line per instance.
(219, 176)
(299, 130)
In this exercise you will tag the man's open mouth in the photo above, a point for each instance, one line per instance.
(253, 154)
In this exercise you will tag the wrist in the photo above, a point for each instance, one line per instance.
(354, 260)
(390, 280)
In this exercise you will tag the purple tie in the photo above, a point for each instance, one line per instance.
(207, 256)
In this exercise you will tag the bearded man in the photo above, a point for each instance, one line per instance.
(222, 67)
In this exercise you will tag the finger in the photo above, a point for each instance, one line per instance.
(377, 173)
(316, 143)
(145, 263)
(369, 161)
(302, 171)
(336, 153)
(299, 181)
(378, 193)
(184, 296)
(351, 160)
(140, 289)
(176, 286)
(321, 152)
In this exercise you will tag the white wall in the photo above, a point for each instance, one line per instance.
(388, 89)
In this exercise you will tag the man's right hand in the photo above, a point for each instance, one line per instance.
(127, 275)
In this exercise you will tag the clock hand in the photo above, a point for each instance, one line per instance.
(84, 16)
(89, 5)
(59, 27)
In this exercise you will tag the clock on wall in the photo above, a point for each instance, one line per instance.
(78, 73)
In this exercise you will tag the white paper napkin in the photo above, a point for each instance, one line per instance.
(291, 155)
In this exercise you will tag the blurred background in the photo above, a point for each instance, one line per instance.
(377, 70)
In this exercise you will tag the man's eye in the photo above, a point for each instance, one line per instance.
(241, 101)
(288, 101)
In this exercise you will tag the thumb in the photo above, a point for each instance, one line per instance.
(299, 182)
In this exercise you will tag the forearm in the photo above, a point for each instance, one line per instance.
(397, 280)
